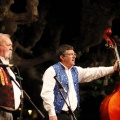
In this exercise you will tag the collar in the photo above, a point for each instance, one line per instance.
(4, 60)
(66, 67)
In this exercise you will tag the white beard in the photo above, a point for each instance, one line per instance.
(8, 55)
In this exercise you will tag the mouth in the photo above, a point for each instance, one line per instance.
(73, 60)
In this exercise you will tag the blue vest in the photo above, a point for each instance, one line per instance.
(62, 77)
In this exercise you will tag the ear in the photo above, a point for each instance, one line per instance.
(61, 57)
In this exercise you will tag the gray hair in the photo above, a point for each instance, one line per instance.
(1, 37)
(62, 49)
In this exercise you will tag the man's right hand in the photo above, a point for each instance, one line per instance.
(53, 117)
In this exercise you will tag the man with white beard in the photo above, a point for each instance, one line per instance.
(9, 91)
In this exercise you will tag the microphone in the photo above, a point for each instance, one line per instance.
(6, 65)
(59, 83)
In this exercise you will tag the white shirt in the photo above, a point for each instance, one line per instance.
(16, 90)
(71, 93)
(84, 75)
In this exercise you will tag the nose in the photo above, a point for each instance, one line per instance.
(74, 55)
(11, 48)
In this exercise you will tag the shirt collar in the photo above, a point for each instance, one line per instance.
(66, 67)
(4, 60)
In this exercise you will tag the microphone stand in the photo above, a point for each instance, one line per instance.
(22, 96)
(60, 87)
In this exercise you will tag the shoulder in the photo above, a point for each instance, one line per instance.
(49, 69)
(78, 67)
(49, 73)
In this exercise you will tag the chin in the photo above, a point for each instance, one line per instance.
(73, 63)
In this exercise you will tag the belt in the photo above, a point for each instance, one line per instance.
(5, 110)
(64, 112)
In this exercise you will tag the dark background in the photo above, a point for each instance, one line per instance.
(38, 27)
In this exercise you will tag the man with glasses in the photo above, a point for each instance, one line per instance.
(60, 104)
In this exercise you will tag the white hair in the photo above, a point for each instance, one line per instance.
(1, 34)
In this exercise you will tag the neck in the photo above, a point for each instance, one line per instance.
(66, 66)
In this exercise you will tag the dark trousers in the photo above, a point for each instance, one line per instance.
(65, 116)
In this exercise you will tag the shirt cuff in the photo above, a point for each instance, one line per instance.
(111, 69)
(51, 112)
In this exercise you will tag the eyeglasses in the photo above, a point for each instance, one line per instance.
(70, 54)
